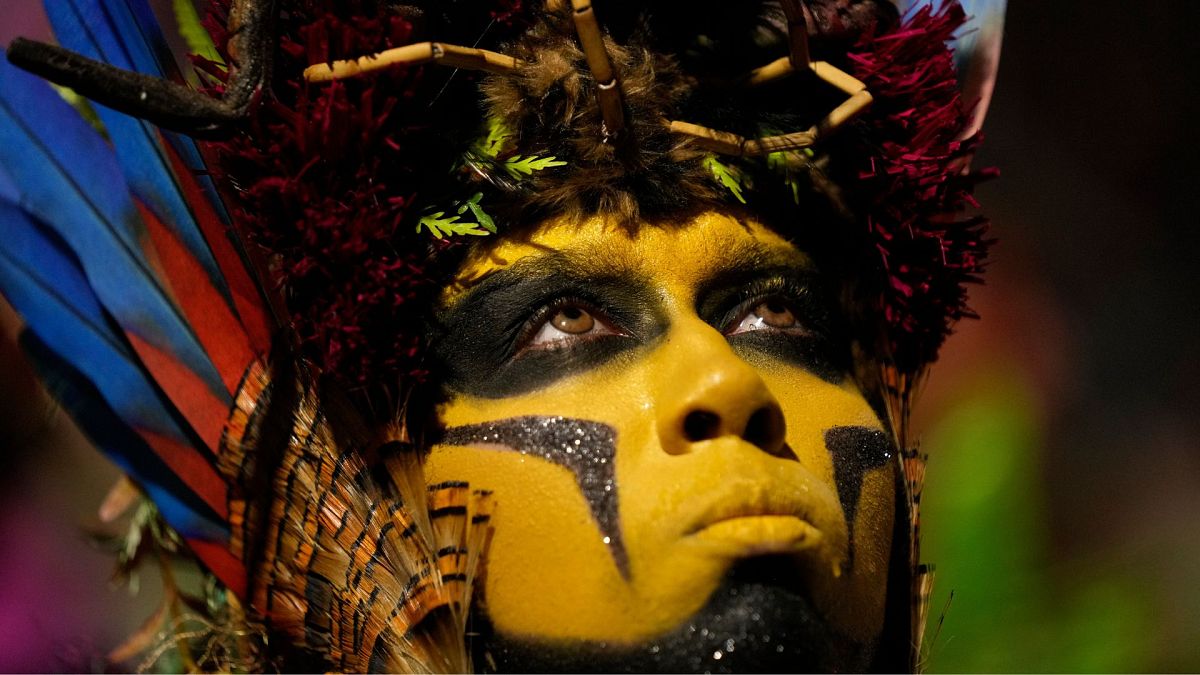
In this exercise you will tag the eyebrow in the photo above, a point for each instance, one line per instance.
(538, 275)
(478, 334)
(747, 261)
(557, 264)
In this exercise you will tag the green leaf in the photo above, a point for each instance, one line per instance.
(193, 32)
(727, 176)
(82, 106)
(517, 167)
(485, 221)
(440, 226)
(786, 163)
(496, 140)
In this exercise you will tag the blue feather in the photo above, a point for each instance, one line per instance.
(8, 189)
(90, 368)
(67, 179)
(151, 38)
(179, 507)
(44, 283)
(124, 34)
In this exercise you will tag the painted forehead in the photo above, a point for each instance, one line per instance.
(685, 253)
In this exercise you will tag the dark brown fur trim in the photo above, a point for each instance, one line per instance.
(551, 106)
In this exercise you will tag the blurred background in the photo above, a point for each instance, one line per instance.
(1062, 508)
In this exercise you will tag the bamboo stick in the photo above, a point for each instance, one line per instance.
(592, 41)
(826, 72)
(722, 142)
(848, 110)
(797, 29)
(414, 54)
(838, 78)
(768, 144)
(608, 89)
(775, 70)
(726, 143)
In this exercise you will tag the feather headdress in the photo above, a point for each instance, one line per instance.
(361, 170)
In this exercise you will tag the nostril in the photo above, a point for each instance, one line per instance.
(701, 425)
(765, 429)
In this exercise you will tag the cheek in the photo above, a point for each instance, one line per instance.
(855, 599)
(547, 559)
(812, 407)
(559, 563)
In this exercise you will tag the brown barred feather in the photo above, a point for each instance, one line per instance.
(362, 571)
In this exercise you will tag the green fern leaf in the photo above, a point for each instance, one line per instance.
(497, 138)
(485, 221)
(789, 164)
(193, 32)
(727, 176)
(518, 167)
(440, 226)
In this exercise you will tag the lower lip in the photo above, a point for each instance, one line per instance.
(754, 535)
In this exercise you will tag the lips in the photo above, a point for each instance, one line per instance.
(760, 535)
(752, 499)
(763, 516)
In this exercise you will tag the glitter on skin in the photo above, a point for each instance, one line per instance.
(855, 450)
(587, 448)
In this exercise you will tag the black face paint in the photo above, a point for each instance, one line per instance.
(587, 448)
(855, 450)
(759, 619)
(819, 347)
(479, 344)
(817, 355)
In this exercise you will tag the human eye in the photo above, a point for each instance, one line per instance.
(789, 320)
(564, 323)
(770, 306)
(766, 314)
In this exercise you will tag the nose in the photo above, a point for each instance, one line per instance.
(705, 391)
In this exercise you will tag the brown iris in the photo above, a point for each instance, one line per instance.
(775, 314)
(574, 320)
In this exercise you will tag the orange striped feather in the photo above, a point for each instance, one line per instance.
(372, 571)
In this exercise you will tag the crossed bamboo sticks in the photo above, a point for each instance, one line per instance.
(608, 87)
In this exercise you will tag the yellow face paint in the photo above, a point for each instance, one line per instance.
(652, 409)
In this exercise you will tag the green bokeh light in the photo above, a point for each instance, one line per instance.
(984, 524)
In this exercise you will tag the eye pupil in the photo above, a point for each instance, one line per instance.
(573, 320)
(775, 314)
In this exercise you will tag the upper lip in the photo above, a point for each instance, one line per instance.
(747, 500)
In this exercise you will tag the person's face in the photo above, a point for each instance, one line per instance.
(682, 467)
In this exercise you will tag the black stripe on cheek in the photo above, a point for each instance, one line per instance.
(587, 448)
(855, 450)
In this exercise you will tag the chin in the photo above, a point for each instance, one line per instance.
(756, 620)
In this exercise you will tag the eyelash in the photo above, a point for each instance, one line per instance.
(793, 294)
(547, 310)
